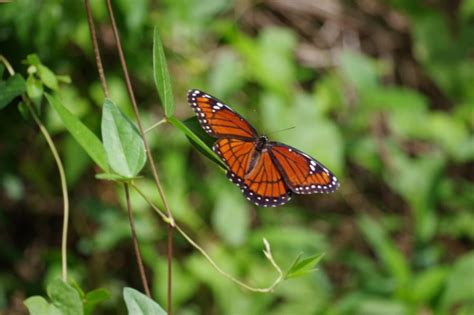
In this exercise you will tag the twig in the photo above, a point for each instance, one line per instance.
(98, 59)
(267, 253)
(148, 152)
(62, 174)
(136, 247)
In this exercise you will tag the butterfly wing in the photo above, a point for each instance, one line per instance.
(263, 185)
(217, 119)
(302, 173)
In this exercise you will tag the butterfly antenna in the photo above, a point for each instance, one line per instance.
(280, 130)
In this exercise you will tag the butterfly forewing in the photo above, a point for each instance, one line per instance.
(263, 184)
(217, 119)
(302, 173)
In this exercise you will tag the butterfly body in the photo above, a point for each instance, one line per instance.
(267, 172)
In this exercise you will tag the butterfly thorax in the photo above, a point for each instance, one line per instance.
(261, 143)
(260, 147)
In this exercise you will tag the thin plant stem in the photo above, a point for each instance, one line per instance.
(148, 152)
(62, 177)
(62, 174)
(95, 44)
(155, 125)
(267, 253)
(7, 64)
(136, 247)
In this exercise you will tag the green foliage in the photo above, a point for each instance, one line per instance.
(86, 139)
(162, 76)
(65, 300)
(392, 117)
(122, 141)
(11, 88)
(139, 304)
(301, 267)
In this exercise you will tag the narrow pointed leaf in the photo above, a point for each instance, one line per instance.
(200, 140)
(122, 142)
(162, 76)
(304, 266)
(139, 304)
(83, 135)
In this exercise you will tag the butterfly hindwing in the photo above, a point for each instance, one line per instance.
(302, 173)
(263, 184)
(217, 119)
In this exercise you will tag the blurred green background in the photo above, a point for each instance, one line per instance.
(381, 92)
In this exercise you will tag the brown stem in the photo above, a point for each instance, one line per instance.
(98, 59)
(148, 152)
(105, 88)
(135, 242)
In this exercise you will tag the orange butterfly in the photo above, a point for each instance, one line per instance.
(267, 172)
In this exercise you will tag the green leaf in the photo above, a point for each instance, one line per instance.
(393, 260)
(33, 60)
(65, 298)
(301, 267)
(11, 88)
(93, 298)
(37, 305)
(139, 304)
(34, 89)
(48, 77)
(359, 70)
(122, 142)
(227, 74)
(231, 207)
(83, 135)
(162, 76)
(427, 284)
(460, 287)
(200, 141)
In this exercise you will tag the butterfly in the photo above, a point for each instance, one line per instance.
(267, 172)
